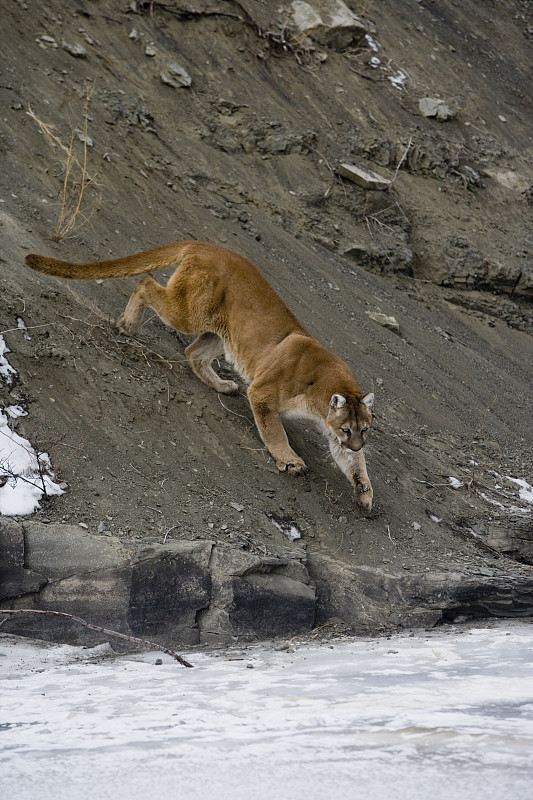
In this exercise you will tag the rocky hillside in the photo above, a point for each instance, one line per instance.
(378, 170)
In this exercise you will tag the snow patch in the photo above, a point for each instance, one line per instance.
(398, 80)
(455, 483)
(6, 370)
(372, 43)
(21, 325)
(288, 528)
(25, 476)
(15, 411)
(491, 501)
(526, 490)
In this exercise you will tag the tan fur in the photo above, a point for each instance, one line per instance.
(223, 298)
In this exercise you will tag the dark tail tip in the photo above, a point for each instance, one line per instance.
(32, 260)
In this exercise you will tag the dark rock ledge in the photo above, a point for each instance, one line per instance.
(199, 592)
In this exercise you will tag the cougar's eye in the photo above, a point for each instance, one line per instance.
(364, 430)
(347, 431)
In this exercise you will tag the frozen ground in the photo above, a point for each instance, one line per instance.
(445, 714)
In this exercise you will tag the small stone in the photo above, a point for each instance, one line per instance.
(158, 662)
(47, 41)
(237, 506)
(101, 527)
(83, 525)
(74, 49)
(150, 50)
(444, 112)
(176, 76)
(385, 321)
(86, 36)
(417, 526)
(460, 618)
(84, 137)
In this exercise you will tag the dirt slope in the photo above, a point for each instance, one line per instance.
(247, 156)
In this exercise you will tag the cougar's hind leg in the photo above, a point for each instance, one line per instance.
(165, 302)
(200, 354)
(146, 293)
(152, 294)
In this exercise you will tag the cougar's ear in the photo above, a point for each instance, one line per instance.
(337, 401)
(368, 400)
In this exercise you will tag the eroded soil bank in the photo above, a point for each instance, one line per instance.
(174, 479)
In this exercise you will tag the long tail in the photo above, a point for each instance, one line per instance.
(150, 260)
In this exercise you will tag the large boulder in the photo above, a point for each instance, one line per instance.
(16, 577)
(175, 594)
(201, 592)
(329, 22)
(369, 600)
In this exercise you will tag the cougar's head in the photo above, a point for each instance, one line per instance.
(350, 418)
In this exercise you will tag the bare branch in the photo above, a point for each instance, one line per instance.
(98, 628)
(7, 473)
(402, 159)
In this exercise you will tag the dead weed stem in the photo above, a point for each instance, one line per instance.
(74, 212)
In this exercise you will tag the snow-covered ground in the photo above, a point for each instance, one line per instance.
(445, 714)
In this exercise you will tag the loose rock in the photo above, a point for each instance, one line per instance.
(176, 76)
(329, 22)
(433, 107)
(366, 178)
(47, 41)
(74, 49)
(384, 320)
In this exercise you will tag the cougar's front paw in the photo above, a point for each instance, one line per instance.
(294, 467)
(363, 497)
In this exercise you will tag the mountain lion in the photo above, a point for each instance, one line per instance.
(223, 297)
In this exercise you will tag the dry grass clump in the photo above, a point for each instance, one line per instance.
(74, 210)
